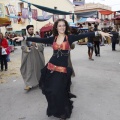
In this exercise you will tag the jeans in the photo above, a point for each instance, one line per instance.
(4, 61)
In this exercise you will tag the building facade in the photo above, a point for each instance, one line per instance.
(94, 10)
(15, 7)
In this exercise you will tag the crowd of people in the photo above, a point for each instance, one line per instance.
(54, 78)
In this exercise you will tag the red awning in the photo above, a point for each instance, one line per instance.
(46, 28)
(106, 12)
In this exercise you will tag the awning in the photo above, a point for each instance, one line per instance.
(82, 20)
(42, 18)
(71, 24)
(50, 10)
(87, 14)
(106, 12)
(4, 21)
(13, 16)
(45, 28)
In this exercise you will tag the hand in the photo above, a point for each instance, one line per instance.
(18, 39)
(103, 34)
(33, 43)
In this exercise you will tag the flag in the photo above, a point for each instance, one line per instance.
(34, 14)
(25, 13)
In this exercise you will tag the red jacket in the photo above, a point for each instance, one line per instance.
(4, 43)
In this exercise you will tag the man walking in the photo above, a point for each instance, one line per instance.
(32, 60)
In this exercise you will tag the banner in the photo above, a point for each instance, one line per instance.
(34, 14)
(78, 2)
(25, 13)
(55, 17)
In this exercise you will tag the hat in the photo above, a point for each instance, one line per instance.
(28, 26)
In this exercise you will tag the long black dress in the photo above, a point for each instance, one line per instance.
(56, 85)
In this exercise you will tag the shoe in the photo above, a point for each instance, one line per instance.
(27, 88)
(99, 55)
(72, 95)
(91, 59)
(5, 69)
(1, 70)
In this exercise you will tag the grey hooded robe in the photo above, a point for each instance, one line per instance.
(32, 63)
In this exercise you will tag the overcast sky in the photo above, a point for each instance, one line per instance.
(115, 4)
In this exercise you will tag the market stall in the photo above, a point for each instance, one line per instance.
(46, 28)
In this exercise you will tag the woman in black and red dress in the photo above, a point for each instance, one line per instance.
(56, 75)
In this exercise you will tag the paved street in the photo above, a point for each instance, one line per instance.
(96, 84)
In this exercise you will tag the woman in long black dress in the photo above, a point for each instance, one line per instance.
(56, 75)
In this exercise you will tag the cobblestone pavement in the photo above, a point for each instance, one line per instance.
(97, 86)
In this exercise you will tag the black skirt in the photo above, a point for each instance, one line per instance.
(56, 87)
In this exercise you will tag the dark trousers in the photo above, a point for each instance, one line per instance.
(113, 45)
(97, 47)
(4, 61)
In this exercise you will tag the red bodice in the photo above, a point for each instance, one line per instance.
(64, 46)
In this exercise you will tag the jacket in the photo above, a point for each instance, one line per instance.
(4, 44)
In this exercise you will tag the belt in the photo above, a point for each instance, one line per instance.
(53, 68)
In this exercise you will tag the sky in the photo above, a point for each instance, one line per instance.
(115, 4)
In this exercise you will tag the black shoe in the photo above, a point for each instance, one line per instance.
(5, 69)
(72, 95)
(1, 70)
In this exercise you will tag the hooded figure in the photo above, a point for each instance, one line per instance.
(32, 60)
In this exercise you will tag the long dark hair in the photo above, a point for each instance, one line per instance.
(55, 32)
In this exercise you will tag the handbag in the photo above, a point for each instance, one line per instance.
(3, 52)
